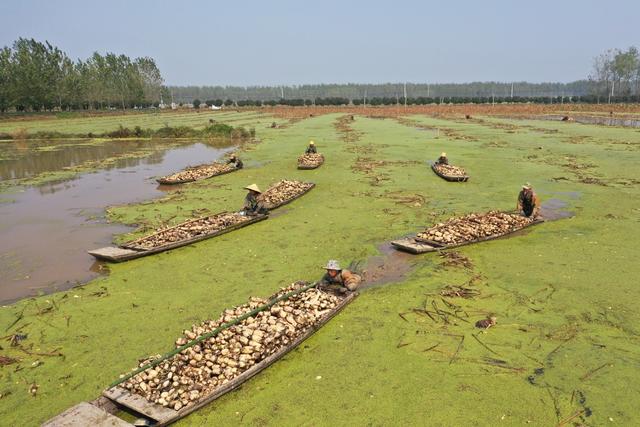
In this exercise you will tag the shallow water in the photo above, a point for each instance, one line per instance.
(46, 230)
(589, 120)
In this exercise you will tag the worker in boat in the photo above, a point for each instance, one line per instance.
(311, 149)
(252, 203)
(528, 202)
(236, 161)
(442, 160)
(338, 279)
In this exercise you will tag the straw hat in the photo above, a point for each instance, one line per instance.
(526, 186)
(443, 154)
(333, 265)
(312, 143)
(253, 187)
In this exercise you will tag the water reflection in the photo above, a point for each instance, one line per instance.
(45, 232)
(22, 159)
(588, 120)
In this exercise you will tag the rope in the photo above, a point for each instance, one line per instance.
(213, 333)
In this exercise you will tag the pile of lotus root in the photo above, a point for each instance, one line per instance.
(187, 230)
(197, 371)
(282, 191)
(199, 172)
(450, 170)
(312, 159)
(473, 226)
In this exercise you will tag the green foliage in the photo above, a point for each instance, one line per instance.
(175, 132)
(37, 76)
(339, 94)
(219, 129)
(616, 72)
(196, 103)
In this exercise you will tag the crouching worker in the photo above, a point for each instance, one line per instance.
(338, 279)
(311, 149)
(443, 160)
(528, 202)
(252, 203)
(235, 160)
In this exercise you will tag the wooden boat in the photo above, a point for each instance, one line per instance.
(165, 179)
(100, 412)
(416, 245)
(285, 202)
(311, 166)
(128, 251)
(451, 178)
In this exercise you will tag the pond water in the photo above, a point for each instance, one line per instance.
(589, 120)
(46, 230)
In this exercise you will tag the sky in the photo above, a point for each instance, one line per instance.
(289, 42)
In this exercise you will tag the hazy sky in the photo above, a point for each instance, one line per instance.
(293, 42)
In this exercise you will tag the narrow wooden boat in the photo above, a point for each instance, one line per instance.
(291, 199)
(102, 411)
(129, 251)
(308, 166)
(450, 178)
(166, 180)
(416, 245)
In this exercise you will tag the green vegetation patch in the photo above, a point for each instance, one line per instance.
(567, 327)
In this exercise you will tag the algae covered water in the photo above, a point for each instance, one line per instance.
(47, 228)
(565, 345)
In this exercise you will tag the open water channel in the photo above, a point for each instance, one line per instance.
(46, 229)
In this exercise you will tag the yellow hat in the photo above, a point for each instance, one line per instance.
(443, 154)
(312, 143)
(253, 187)
(526, 186)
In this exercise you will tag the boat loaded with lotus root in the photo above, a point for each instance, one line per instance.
(450, 172)
(196, 173)
(310, 160)
(212, 358)
(283, 192)
(459, 231)
(194, 230)
(179, 235)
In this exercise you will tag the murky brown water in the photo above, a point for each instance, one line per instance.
(46, 230)
(27, 159)
(390, 266)
(589, 120)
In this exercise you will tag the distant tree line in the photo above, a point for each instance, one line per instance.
(334, 94)
(37, 76)
(376, 101)
(616, 74)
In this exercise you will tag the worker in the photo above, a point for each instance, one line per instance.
(252, 203)
(442, 160)
(236, 161)
(528, 202)
(311, 149)
(338, 279)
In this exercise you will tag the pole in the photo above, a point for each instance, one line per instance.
(405, 94)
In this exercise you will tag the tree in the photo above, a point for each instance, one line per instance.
(196, 103)
(6, 85)
(151, 78)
